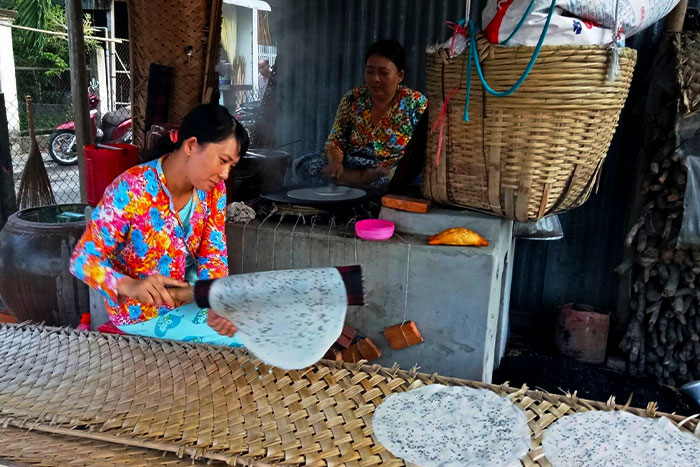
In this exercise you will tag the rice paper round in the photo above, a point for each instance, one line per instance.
(452, 426)
(622, 439)
(288, 319)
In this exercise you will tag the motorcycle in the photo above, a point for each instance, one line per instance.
(113, 127)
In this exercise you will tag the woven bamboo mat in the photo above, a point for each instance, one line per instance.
(37, 448)
(217, 403)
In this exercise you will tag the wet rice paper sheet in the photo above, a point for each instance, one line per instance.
(438, 425)
(618, 439)
(288, 319)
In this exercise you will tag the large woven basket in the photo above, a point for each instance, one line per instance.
(536, 152)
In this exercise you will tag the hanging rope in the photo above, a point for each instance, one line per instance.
(473, 55)
(614, 67)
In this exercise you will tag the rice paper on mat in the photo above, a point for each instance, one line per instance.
(450, 426)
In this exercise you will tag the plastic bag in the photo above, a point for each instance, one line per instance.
(634, 15)
(690, 227)
(501, 19)
(688, 144)
(574, 22)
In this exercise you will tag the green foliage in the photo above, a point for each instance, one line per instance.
(33, 14)
(38, 49)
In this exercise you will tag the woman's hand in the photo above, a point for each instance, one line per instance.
(220, 324)
(151, 290)
(333, 170)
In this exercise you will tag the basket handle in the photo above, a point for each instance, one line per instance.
(523, 77)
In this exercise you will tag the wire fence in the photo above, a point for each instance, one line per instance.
(50, 91)
(51, 97)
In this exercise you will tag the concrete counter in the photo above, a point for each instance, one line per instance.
(456, 295)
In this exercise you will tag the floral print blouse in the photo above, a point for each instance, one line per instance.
(134, 231)
(354, 131)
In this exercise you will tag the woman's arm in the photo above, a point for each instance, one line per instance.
(362, 177)
(106, 229)
(212, 260)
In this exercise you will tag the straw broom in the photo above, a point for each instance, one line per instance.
(35, 186)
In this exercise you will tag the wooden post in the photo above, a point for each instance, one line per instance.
(8, 200)
(79, 84)
(676, 19)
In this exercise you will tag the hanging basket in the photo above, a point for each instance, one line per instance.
(536, 152)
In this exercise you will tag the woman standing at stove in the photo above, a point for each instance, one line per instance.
(378, 137)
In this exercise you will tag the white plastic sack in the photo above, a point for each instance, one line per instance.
(501, 18)
(634, 15)
(690, 227)
(574, 22)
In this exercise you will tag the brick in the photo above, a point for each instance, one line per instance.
(347, 336)
(405, 203)
(351, 354)
(368, 349)
(403, 335)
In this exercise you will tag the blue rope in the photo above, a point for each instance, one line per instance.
(520, 24)
(523, 77)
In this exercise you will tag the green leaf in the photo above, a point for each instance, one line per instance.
(32, 14)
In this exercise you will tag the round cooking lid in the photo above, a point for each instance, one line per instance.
(327, 193)
(265, 154)
(284, 196)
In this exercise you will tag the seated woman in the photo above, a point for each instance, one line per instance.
(379, 129)
(160, 225)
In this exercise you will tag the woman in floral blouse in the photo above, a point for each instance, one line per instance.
(160, 226)
(374, 125)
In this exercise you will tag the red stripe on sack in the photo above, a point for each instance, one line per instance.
(493, 29)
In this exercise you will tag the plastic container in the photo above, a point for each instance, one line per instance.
(103, 165)
(374, 229)
(581, 332)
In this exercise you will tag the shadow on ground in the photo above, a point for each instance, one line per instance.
(529, 361)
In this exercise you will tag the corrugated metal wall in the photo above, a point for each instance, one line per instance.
(321, 45)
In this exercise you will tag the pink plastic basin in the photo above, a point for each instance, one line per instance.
(374, 229)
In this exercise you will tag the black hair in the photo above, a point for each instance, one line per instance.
(209, 123)
(391, 49)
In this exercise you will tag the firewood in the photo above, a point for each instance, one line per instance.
(679, 257)
(663, 322)
(638, 224)
(655, 224)
(625, 265)
(674, 276)
(688, 277)
(677, 305)
(654, 310)
(642, 240)
(667, 255)
(663, 273)
(680, 178)
(653, 295)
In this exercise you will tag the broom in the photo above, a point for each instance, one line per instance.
(34, 186)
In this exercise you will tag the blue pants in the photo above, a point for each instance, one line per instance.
(187, 323)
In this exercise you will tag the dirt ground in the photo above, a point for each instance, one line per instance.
(537, 364)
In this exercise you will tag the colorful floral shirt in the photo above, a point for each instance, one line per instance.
(354, 131)
(135, 232)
